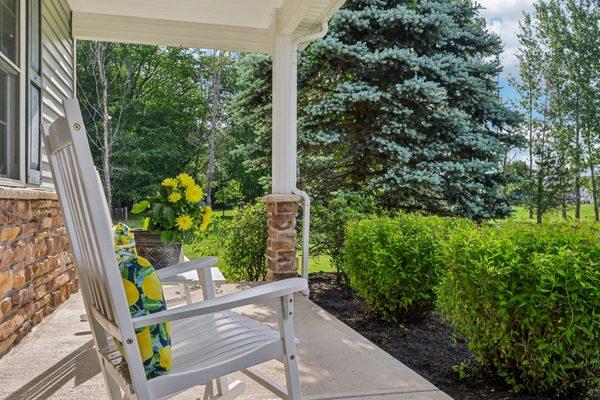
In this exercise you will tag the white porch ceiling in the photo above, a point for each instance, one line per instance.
(242, 25)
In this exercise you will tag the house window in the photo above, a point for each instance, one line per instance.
(34, 99)
(9, 88)
(18, 102)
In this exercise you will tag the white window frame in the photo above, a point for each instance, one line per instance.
(22, 66)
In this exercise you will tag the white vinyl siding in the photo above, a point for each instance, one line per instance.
(58, 67)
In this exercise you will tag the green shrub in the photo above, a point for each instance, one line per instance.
(393, 263)
(526, 299)
(328, 221)
(246, 243)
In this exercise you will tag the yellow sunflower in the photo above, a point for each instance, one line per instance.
(184, 222)
(174, 197)
(186, 180)
(169, 182)
(206, 218)
(193, 194)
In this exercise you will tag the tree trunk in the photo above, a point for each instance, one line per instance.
(563, 199)
(592, 167)
(214, 120)
(540, 197)
(106, 148)
(531, 202)
(594, 193)
(577, 166)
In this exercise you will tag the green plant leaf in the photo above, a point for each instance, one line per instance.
(156, 212)
(140, 207)
(166, 237)
(169, 215)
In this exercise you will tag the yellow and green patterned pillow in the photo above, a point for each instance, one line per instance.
(123, 237)
(144, 294)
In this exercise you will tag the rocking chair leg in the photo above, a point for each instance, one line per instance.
(222, 385)
(113, 389)
(228, 392)
(208, 391)
(290, 361)
(100, 341)
(187, 294)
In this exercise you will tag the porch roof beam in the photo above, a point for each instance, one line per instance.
(127, 29)
(292, 14)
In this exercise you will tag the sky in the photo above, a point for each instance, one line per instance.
(503, 17)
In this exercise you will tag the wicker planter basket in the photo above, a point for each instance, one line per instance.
(150, 247)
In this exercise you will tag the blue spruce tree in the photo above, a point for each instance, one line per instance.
(403, 103)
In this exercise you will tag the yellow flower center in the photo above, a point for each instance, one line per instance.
(193, 194)
(174, 197)
(186, 180)
(184, 222)
(169, 182)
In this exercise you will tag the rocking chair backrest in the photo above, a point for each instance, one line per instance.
(89, 226)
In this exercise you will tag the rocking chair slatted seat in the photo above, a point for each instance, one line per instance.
(209, 341)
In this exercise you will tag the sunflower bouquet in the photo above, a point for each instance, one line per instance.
(176, 211)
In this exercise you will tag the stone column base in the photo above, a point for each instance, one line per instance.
(281, 242)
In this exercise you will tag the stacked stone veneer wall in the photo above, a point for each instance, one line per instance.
(37, 270)
(281, 243)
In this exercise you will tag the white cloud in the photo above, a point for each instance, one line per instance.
(503, 17)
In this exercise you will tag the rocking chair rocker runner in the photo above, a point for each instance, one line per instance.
(209, 341)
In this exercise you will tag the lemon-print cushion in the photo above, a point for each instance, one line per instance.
(143, 291)
(123, 237)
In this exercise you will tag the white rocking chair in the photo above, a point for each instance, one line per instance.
(209, 341)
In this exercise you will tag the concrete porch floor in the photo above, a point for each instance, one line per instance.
(57, 360)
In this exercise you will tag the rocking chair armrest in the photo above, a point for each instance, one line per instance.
(192, 265)
(223, 303)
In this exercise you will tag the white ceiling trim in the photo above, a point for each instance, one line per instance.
(247, 13)
(238, 25)
(292, 14)
(112, 28)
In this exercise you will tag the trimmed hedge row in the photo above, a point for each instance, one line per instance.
(393, 263)
(526, 298)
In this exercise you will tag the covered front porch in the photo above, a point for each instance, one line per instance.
(57, 360)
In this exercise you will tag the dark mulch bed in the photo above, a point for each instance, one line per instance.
(423, 344)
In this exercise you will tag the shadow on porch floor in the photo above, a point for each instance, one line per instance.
(57, 360)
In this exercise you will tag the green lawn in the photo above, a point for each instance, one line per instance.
(587, 214)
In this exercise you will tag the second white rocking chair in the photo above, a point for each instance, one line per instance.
(209, 341)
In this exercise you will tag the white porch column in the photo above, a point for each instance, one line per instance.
(284, 113)
(282, 205)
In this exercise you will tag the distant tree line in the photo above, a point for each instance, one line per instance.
(559, 88)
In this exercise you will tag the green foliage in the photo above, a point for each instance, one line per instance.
(519, 188)
(395, 263)
(176, 211)
(228, 194)
(249, 124)
(526, 299)
(156, 108)
(246, 243)
(329, 219)
(404, 103)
